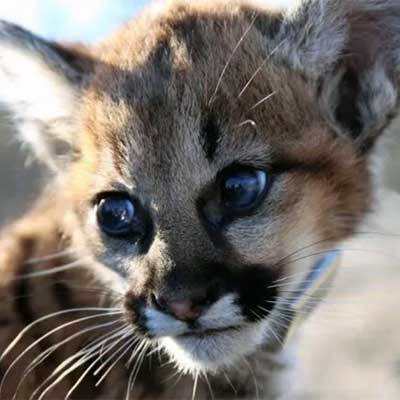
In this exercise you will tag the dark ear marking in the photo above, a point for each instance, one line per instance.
(347, 113)
(76, 57)
(269, 25)
(352, 47)
(210, 135)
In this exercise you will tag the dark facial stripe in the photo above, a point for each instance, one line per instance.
(5, 322)
(210, 135)
(22, 293)
(63, 295)
(23, 305)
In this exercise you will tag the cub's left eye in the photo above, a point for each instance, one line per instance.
(243, 188)
(116, 215)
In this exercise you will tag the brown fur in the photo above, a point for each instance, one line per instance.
(142, 99)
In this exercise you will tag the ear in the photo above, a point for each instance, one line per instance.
(351, 50)
(40, 83)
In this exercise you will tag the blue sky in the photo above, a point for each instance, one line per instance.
(86, 20)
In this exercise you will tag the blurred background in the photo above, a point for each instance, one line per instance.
(350, 347)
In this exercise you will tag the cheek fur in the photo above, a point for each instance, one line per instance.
(213, 353)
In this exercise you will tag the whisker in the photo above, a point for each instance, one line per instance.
(196, 377)
(45, 354)
(230, 383)
(137, 349)
(46, 317)
(354, 250)
(112, 294)
(74, 264)
(50, 257)
(136, 368)
(264, 99)
(177, 373)
(80, 379)
(253, 376)
(61, 377)
(335, 237)
(125, 349)
(36, 342)
(291, 313)
(260, 68)
(85, 373)
(89, 352)
(221, 77)
(128, 333)
(247, 122)
(272, 330)
(89, 349)
(322, 252)
(208, 385)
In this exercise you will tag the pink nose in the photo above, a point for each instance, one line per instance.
(185, 310)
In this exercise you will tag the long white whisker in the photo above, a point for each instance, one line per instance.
(127, 346)
(62, 376)
(46, 317)
(135, 352)
(230, 383)
(36, 342)
(92, 347)
(45, 354)
(89, 352)
(260, 68)
(80, 379)
(209, 385)
(136, 368)
(254, 378)
(127, 333)
(221, 77)
(50, 256)
(272, 330)
(264, 99)
(74, 264)
(196, 377)
(91, 366)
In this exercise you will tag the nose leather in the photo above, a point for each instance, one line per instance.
(184, 310)
(185, 295)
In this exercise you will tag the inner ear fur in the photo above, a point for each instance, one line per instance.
(366, 97)
(40, 84)
(351, 49)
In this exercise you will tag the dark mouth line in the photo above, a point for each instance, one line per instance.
(209, 332)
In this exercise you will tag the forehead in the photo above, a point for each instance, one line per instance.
(194, 88)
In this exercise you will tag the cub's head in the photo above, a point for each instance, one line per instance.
(211, 154)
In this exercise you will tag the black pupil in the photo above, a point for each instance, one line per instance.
(115, 215)
(241, 190)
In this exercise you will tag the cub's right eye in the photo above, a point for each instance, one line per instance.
(116, 215)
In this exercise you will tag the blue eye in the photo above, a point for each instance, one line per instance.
(243, 188)
(116, 215)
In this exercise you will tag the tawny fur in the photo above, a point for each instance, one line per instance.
(132, 117)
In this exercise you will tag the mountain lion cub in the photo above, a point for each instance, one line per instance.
(207, 161)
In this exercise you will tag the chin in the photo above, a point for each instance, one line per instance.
(215, 351)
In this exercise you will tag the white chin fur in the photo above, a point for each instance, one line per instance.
(211, 353)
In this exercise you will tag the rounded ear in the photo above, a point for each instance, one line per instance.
(351, 50)
(40, 83)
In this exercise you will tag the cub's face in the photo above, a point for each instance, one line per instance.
(211, 172)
